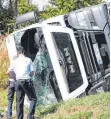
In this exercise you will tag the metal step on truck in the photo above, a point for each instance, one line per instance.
(74, 59)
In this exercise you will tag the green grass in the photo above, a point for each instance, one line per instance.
(89, 107)
(4, 102)
(3, 99)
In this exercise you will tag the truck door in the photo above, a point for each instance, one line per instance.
(11, 47)
(66, 60)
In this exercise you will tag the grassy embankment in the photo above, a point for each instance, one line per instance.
(89, 107)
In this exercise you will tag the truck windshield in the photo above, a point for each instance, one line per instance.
(46, 86)
(68, 60)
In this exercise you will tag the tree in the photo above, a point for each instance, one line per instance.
(6, 16)
(13, 9)
(58, 7)
(24, 6)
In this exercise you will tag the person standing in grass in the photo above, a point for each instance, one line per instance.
(11, 92)
(1, 116)
(23, 68)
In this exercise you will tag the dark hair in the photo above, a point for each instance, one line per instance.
(41, 39)
(20, 49)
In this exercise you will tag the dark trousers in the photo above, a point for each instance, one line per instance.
(11, 91)
(25, 87)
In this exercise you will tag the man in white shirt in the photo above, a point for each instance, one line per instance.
(22, 66)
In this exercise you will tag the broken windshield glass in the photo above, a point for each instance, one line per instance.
(44, 86)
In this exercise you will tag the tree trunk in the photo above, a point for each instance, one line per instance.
(0, 5)
(16, 8)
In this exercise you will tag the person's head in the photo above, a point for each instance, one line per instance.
(42, 43)
(20, 50)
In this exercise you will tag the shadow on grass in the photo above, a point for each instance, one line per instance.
(42, 111)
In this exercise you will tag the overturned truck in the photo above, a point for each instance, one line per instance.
(70, 53)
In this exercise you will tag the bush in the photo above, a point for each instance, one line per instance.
(4, 62)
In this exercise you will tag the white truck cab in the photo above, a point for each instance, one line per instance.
(76, 55)
(56, 38)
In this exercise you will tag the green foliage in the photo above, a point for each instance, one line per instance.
(14, 7)
(40, 110)
(59, 7)
(3, 100)
(89, 107)
(24, 7)
(6, 17)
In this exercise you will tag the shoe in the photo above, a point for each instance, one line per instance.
(30, 117)
(37, 118)
(9, 117)
(1, 116)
